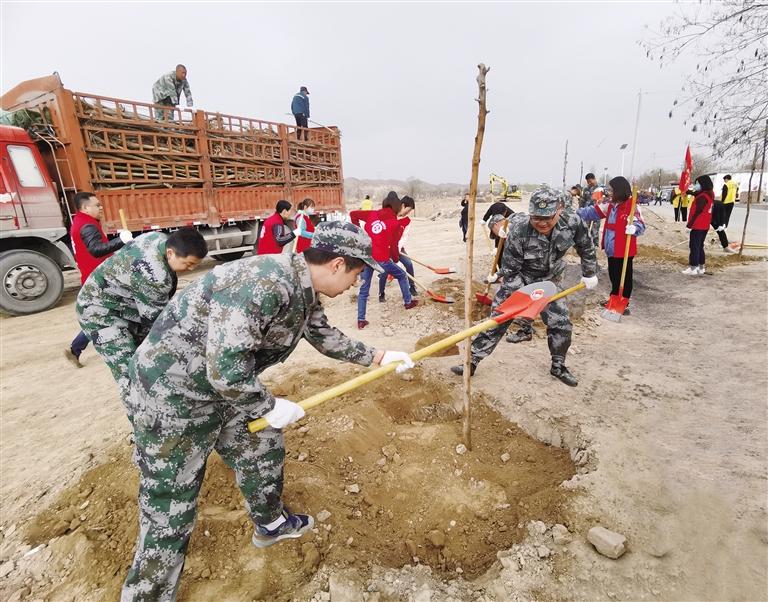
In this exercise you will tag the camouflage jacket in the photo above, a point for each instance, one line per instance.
(529, 256)
(586, 199)
(134, 284)
(213, 340)
(169, 87)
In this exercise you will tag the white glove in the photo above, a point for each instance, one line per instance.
(503, 232)
(406, 363)
(296, 232)
(688, 230)
(125, 236)
(631, 229)
(492, 278)
(589, 281)
(284, 413)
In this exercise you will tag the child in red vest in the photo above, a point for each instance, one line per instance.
(698, 225)
(383, 228)
(274, 233)
(304, 226)
(618, 226)
(409, 205)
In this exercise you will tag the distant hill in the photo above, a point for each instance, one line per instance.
(355, 189)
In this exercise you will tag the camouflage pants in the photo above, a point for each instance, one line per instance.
(174, 437)
(556, 319)
(594, 231)
(115, 340)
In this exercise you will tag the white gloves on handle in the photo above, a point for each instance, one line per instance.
(631, 229)
(125, 236)
(406, 363)
(296, 232)
(492, 278)
(284, 413)
(688, 230)
(503, 232)
(589, 281)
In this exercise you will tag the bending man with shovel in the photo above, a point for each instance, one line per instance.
(534, 250)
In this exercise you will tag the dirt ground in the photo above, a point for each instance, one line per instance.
(664, 440)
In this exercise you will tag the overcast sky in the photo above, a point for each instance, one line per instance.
(398, 79)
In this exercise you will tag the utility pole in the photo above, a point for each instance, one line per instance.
(581, 171)
(634, 141)
(565, 163)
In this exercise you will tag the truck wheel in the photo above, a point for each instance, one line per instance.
(29, 282)
(228, 256)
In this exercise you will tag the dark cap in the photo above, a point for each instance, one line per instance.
(345, 239)
(304, 89)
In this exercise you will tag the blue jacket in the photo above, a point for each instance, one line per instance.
(300, 105)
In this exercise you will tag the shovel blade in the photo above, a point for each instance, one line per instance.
(440, 298)
(483, 299)
(526, 302)
(615, 307)
(443, 270)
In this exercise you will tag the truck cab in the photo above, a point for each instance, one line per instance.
(32, 228)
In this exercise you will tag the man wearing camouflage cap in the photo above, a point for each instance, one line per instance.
(533, 251)
(195, 386)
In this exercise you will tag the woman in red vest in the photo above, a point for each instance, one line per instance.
(274, 233)
(90, 246)
(385, 231)
(304, 226)
(698, 225)
(618, 226)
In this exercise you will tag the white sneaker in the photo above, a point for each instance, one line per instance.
(701, 270)
(730, 250)
(691, 270)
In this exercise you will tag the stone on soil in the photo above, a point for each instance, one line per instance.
(607, 542)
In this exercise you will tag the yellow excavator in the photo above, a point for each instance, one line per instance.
(507, 192)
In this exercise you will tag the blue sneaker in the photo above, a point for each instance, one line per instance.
(295, 526)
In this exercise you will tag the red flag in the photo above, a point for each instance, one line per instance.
(685, 176)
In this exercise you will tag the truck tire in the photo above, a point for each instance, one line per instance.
(228, 256)
(29, 282)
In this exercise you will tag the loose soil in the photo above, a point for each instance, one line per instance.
(434, 338)
(382, 460)
(451, 287)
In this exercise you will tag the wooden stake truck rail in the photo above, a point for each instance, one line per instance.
(220, 173)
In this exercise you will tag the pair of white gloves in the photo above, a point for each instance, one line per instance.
(287, 412)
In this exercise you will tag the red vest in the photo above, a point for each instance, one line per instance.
(86, 262)
(267, 243)
(619, 235)
(303, 243)
(704, 218)
(383, 228)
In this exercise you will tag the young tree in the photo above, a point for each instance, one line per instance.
(725, 97)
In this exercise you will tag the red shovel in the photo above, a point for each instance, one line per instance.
(617, 304)
(432, 295)
(526, 302)
(429, 267)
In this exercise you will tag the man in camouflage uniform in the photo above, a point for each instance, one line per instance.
(195, 385)
(122, 297)
(533, 251)
(587, 200)
(168, 88)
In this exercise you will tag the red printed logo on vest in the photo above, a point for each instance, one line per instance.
(378, 227)
(537, 294)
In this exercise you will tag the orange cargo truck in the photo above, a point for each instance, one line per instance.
(219, 173)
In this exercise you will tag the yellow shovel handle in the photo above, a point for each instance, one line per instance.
(123, 221)
(310, 402)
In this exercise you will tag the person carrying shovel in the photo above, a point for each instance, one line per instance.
(195, 386)
(534, 251)
(615, 211)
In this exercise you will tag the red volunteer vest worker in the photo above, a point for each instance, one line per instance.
(274, 233)
(89, 242)
(618, 227)
(704, 218)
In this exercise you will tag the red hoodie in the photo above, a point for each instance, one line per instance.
(383, 228)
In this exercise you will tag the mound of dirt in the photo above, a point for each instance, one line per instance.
(434, 338)
(450, 287)
(380, 470)
(679, 256)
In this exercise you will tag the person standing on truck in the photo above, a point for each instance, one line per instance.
(167, 90)
(218, 336)
(300, 110)
(275, 234)
(91, 247)
(304, 227)
(122, 297)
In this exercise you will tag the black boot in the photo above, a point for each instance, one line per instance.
(520, 336)
(560, 372)
(459, 370)
(381, 298)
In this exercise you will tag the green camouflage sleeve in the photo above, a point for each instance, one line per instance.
(151, 289)
(585, 247)
(235, 333)
(187, 92)
(511, 266)
(332, 342)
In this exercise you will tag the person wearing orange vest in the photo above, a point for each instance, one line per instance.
(728, 196)
(304, 227)
(618, 226)
(91, 247)
(274, 232)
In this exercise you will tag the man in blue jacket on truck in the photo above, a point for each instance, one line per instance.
(300, 110)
